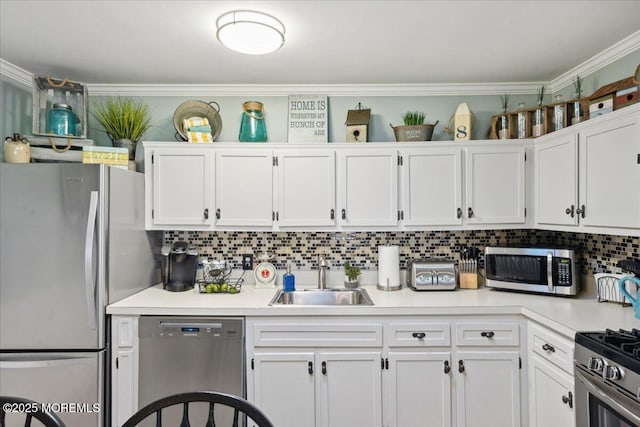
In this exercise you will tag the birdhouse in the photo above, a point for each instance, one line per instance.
(358, 124)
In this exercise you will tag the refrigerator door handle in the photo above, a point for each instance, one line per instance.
(29, 362)
(89, 276)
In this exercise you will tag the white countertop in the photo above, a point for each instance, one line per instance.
(564, 315)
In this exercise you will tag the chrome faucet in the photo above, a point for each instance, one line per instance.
(322, 272)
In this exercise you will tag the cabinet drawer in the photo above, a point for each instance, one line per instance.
(418, 334)
(487, 334)
(551, 346)
(317, 335)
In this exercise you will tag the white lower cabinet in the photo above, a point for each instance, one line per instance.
(321, 372)
(551, 395)
(418, 389)
(124, 368)
(487, 388)
(551, 382)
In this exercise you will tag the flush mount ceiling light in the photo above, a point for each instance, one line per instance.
(249, 31)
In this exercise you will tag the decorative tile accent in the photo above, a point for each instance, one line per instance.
(600, 252)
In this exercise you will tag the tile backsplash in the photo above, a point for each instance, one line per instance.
(600, 252)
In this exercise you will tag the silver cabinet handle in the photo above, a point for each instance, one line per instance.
(344, 214)
(568, 400)
(570, 211)
(581, 211)
(459, 213)
(488, 334)
(461, 366)
(469, 212)
(332, 214)
(218, 213)
(419, 335)
(548, 347)
(206, 213)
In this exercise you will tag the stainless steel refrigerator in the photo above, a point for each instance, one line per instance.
(72, 240)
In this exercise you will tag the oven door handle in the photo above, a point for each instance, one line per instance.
(600, 394)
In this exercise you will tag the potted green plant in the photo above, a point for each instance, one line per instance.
(414, 128)
(124, 120)
(351, 275)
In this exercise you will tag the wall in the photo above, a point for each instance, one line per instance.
(600, 252)
(17, 109)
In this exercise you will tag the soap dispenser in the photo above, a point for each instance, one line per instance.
(289, 280)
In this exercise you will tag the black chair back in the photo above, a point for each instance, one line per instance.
(240, 407)
(31, 410)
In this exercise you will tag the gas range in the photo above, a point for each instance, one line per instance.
(614, 354)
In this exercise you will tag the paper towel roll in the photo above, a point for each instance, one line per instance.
(389, 267)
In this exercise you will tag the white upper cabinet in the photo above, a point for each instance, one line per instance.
(587, 177)
(431, 186)
(367, 187)
(610, 173)
(495, 185)
(306, 188)
(244, 188)
(556, 193)
(181, 191)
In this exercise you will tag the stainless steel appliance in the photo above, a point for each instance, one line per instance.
(607, 378)
(179, 264)
(431, 274)
(72, 241)
(541, 270)
(184, 354)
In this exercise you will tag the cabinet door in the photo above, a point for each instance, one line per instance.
(182, 187)
(431, 186)
(418, 389)
(306, 188)
(488, 388)
(368, 187)
(244, 188)
(556, 179)
(610, 173)
(349, 389)
(284, 387)
(550, 395)
(495, 187)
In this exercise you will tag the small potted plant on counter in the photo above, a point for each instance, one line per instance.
(351, 275)
(414, 128)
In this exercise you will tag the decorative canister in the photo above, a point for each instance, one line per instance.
(16, 149)
(62, 120)
(252, 126)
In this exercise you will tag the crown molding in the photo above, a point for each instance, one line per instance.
(596, 62)
(15, 73)
(453, 89)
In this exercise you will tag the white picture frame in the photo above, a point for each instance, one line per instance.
(308, 119)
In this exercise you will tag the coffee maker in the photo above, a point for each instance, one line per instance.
(179, 263)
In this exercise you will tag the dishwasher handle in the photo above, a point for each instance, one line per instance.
(212, 325)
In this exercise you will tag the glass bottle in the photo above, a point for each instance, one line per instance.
(558, 112)
(252, 125)
(522, 121)
(503, 127)
(538, 122)
(289, 280)
(578, 114)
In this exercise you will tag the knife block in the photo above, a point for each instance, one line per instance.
(468, 280)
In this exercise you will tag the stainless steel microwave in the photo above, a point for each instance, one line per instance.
(541, 270)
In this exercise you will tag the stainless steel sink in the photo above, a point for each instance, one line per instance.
(322, 297)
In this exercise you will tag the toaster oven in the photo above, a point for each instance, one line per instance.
(431, 274)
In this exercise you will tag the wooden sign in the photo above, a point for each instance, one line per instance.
(308, 119)
(462, 123)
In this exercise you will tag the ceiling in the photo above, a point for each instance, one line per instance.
(327, 42)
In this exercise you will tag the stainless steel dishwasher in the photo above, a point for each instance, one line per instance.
(184, 354)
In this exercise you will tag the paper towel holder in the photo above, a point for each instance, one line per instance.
(388, 287)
